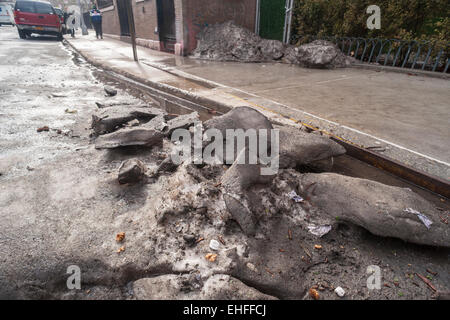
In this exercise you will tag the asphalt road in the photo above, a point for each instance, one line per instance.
(60, 203)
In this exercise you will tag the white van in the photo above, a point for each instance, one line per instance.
(6, 14)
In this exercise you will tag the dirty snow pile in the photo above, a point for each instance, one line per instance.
(227, 232)
(229, 42)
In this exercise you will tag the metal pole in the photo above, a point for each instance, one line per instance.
(132, 29)
(84, 31)
(257, 16)
(287, 21)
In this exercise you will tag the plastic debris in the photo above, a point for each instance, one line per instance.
(58, 95)
(427, 222)
(294, 196)
(214, 245)
(319, 230)
(339, 291)
(318, 246)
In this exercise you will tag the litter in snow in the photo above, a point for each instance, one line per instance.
(427, 222)
(294, 196)
(319, 230)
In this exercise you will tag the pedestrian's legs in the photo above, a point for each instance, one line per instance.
(100, 29)
(96, 24)
(96, 29)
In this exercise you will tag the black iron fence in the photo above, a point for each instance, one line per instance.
(413, 54)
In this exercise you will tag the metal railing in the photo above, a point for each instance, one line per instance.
(412, 54)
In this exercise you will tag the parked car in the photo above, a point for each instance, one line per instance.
(36, 17)
(6, 14)
(60, 14)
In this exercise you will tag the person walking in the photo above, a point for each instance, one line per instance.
(96, 19)
(69, 23)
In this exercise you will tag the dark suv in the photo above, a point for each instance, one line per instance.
(36, 17)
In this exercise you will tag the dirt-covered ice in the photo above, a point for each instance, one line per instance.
(229, 42)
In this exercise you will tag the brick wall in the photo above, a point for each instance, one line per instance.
(110, 21)
(191, 16)
(145, 18)
(198, 14)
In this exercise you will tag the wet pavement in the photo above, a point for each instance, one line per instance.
(39, 81)
(58, 196)
(403, 115)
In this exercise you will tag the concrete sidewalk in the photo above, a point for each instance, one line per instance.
(405, 117)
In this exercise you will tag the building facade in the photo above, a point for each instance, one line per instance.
(173, 25)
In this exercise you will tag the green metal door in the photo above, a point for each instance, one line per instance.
(271, 19)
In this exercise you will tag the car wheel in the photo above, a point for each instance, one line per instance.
(22, 34)
(60, 36)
